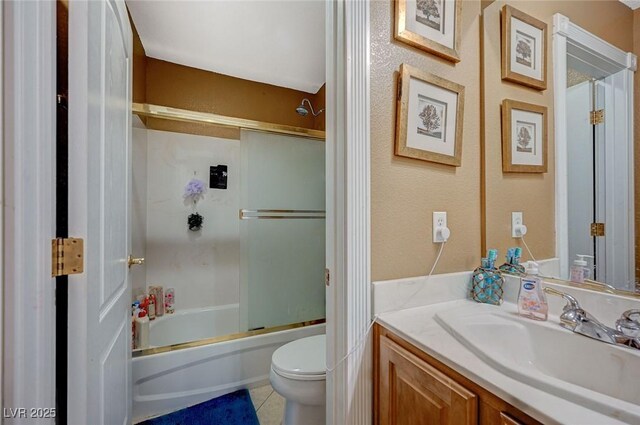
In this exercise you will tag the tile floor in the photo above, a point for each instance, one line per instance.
(269, 405)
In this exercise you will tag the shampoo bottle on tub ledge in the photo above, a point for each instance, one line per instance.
(142, 330)
(158, 291)
(532, 302)
(169, 300)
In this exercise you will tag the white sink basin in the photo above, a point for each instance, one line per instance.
(599, 376)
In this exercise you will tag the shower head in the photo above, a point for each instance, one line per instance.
(302, 110)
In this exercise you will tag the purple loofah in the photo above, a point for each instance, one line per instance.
(194, 190)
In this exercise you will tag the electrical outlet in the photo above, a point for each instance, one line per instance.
(518, 229)
(440, 223)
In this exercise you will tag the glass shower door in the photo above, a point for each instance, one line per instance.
(282, 230)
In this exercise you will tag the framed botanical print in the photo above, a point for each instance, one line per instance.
(524, 49)
(429, 117)
(430, 25)
(524, 137)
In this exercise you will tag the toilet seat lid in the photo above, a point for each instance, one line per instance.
(305, 357)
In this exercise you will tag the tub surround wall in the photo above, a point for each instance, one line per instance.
(202, 266)
(405, 192)
(138, 274)
(193, 324)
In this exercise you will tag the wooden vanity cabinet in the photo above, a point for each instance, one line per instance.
(412, 388)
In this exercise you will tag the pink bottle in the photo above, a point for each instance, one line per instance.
(169, 300)
(158, 291)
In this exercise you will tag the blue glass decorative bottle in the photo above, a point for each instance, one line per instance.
(487, 281)
(513, 266)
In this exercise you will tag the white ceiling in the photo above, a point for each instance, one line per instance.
(633, 4)
(279, 42)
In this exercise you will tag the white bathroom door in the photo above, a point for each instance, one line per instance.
(580, 172)
(99, 349)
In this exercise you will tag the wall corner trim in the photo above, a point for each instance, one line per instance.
(349, 385)
(29, 163)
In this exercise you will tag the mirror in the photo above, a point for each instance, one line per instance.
(578, 212)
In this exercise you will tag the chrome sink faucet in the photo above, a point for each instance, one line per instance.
(576, 319)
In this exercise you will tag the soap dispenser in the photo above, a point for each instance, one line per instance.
(580, 271)
(532, 302)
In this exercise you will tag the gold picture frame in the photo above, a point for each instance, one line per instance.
(430, 114)
(524, 49)
(439, 43)
(525, 144)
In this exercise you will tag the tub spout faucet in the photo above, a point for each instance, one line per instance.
(576, 319)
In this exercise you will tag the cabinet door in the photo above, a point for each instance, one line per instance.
(412, 392)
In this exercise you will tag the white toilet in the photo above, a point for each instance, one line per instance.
(298, 373)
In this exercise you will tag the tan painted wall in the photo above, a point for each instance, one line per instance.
(405, 192)
(534, 194)
(319, 103)
(170, 84)
(139, 67)
(608, 19)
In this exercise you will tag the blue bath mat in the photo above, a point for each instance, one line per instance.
(230, 409)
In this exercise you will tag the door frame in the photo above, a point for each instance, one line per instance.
(349, 386)
(32, 336)
(596, 54)
(28, 162)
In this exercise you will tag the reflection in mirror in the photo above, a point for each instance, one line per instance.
(596, 224)
(580, 211)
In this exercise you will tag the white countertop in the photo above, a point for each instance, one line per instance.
(418, 327)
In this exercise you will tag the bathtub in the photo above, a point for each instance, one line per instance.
(193, 325)
(173, 380)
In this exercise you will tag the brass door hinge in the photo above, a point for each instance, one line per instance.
(67, 256)
(597, 117)
(597, 229)
(327, 277)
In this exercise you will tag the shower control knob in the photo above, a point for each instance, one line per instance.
(131, 261)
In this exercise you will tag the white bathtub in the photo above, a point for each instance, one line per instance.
(169, 381)
(193, 325)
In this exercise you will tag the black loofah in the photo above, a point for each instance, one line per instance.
(194, 221)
